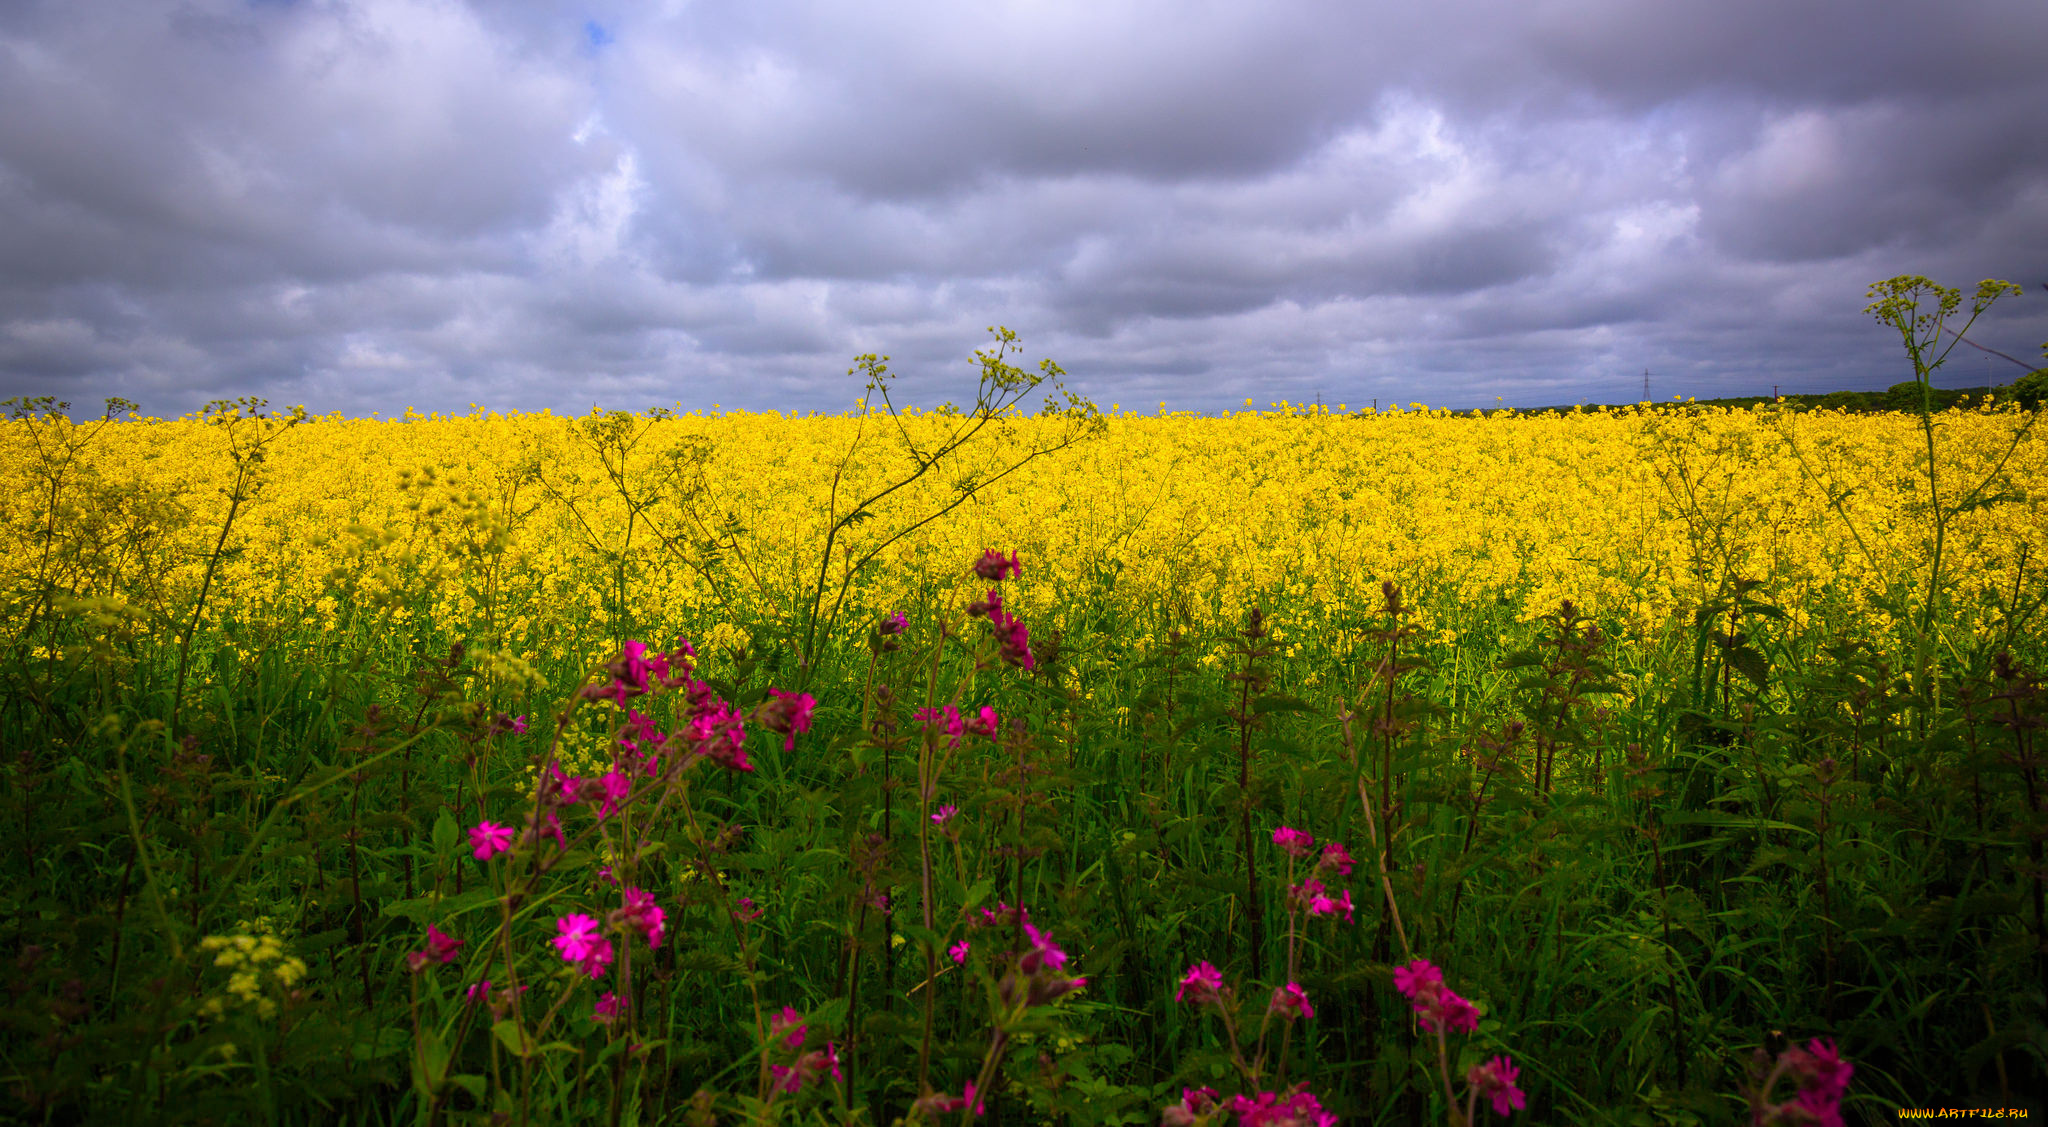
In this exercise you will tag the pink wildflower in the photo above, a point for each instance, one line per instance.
(441, 948)
(490, 839)
(894, 624)
(944, 815)
(935, 1103)
(1441, 1008)
(984, 723)
(578, 938)
(1417, 976)
(809, 1068)
(1271, 1109)
(1193, 1102)
(519, 725)
(1495, 1080)
(1290, 1002)
(643, 915)
(1202, 984)
(616, 786)
(746, 911)
(609, 1007)
(789, 1025)
(788, 713)
(947, 715)
(478, 991)
(992, 566)
(1336, 857)
(1293, 841)
(959, 952)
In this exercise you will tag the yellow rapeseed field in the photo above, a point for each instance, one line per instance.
(532, 530)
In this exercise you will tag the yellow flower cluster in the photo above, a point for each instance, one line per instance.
(255, 959)
(531, 534)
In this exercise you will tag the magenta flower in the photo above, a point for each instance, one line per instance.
(1416, 977)
(992, 566)
(1203, 983)
(984, 723)
(789, 1025)
(959, 952)
(441, 948)
(1495, 1080)
(809, 1068)
(1336, 857)
(944, 815)
(1193, 1102)
(788, 713)
(1272, 1109)
(519, 725)
(946, 715)
(478, 991)
(893, 625)
(609, 1007)
(643, 915)
(1290, 1002)
(490, 839)
(935, 1103)
(1441, 1008)
(616, 787)
(1293, 841)
(578, 937)
(746, 912)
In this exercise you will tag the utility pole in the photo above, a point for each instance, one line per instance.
(1774, 391)
(1646, 385)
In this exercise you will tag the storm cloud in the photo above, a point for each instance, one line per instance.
(379, 204)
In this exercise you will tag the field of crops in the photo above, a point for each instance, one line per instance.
(1664, 765)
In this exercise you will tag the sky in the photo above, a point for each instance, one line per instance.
(368, 205)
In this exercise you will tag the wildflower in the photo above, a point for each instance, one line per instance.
(519, 725)
(935, 1103)
(643, 915)
(947, 715)
(983, 723)
(791, 1021)
(1416, 977)
(1440, 1008)
(616, 787)
(1039, 968)
(578, 936)
(809, 1068)
(1193, 1102)
(568, 790)
(1336, 857)
(746, 912)
(441, 948)
(944, 815)
(1290, 1002)
(1203, 983)
(1293, 841)
(894, 624)
(1823, 1078)
(1271, 1109)
(609, 1006)
(490, 839)
(993, 567)
(959, 952)
(788, 713)
(1495, 1080)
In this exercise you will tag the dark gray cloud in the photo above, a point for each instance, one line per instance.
(372, 204)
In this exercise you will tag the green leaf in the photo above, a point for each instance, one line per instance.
(430, 1064)
(515, 1039)
(470, 1083)
(446, 833)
